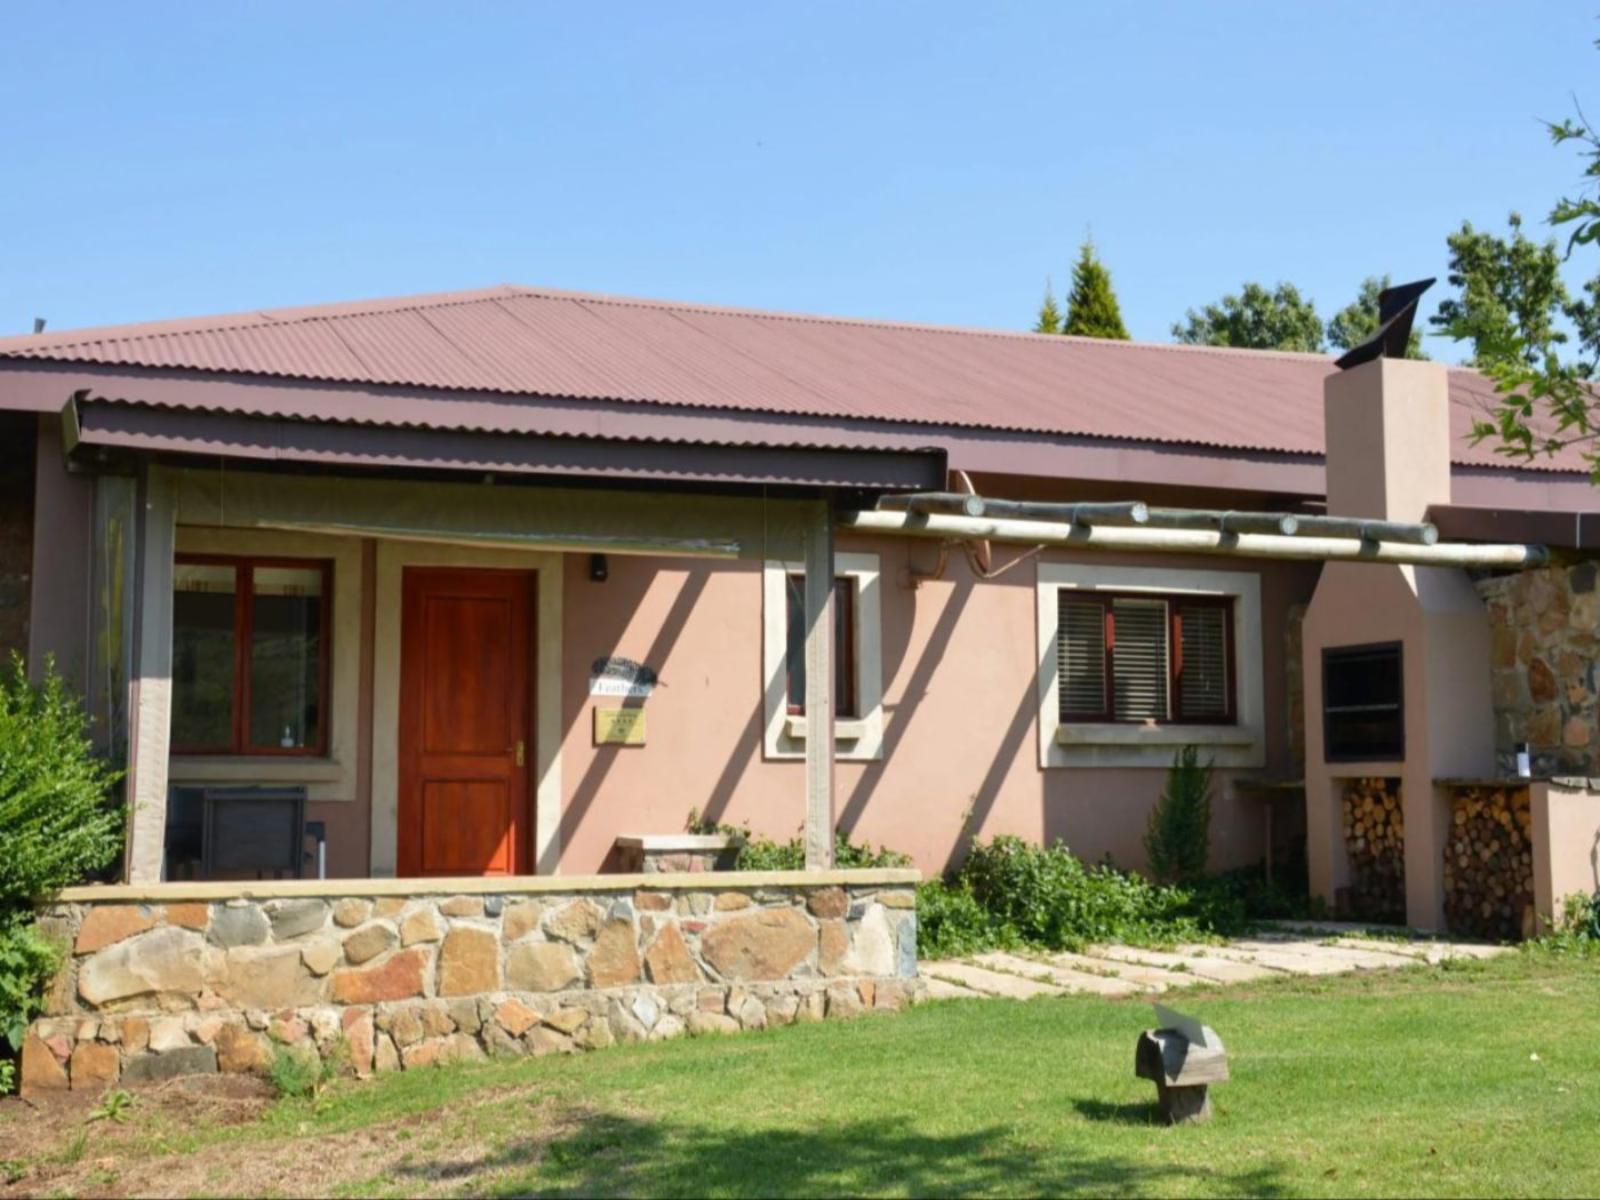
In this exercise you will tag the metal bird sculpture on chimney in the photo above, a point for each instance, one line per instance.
(1397, 309)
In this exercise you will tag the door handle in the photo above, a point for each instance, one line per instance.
(522, 752)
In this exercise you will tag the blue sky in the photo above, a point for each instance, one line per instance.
(929, 162)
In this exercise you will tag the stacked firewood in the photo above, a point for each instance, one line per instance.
(1375, 841)
(1488, 863)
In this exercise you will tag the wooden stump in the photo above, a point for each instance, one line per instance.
(1182, 1071)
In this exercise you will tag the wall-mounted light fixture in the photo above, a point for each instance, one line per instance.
(599, 568)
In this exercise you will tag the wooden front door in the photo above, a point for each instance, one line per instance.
(465, 722)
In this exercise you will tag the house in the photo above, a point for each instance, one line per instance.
(461, 604)
(414, 555)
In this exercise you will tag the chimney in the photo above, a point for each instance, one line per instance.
(1387, 432)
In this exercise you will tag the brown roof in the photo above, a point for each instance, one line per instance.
(519, 341)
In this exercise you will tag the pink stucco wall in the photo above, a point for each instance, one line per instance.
(960, 702)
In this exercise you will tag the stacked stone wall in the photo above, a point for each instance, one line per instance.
(1545, 627)
(171, 986)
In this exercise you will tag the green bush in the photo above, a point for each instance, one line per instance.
(59, 823)
(952, 924)
(55, 795)
(1178, 838)
(1050, 899)
(761, 853)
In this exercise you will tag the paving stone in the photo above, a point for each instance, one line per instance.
(938, 989)
(1154, 979)
(1062, 976)
(992, 982)
(1205, 967)
(1278, 960)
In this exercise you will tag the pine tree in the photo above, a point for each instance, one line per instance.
(1092, 309)
(1049, 315)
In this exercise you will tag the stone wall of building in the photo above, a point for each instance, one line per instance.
(186, 978)
(16, 530)
(1545, 626)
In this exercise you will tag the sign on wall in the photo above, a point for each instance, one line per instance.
(613, 675)
(618, 727)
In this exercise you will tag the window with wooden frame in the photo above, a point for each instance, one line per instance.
(1144, 658)
(845, 696)
(250, 655)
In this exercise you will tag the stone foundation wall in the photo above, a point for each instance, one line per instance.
(1545, 627)
(182, 978)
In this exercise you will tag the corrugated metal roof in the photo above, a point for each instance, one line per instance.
(519, 341)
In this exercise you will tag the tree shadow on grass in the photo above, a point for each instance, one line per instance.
(1142, 1115)
(609, 1154)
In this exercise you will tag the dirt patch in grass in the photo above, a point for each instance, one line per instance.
(176, 1142)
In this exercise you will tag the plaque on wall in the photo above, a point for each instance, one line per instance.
(618, 727)
(613, 675)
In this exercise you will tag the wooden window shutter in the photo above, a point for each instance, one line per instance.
(1139, 663)
(1081, 657)
(1201, 635)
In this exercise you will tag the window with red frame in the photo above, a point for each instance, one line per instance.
(1143, 658)
(250, 655)
(844, 644)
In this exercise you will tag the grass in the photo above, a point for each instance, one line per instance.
(1467, 1079)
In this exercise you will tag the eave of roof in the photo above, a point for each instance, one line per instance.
(497, 348)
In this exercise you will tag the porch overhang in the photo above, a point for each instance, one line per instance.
(100, 432)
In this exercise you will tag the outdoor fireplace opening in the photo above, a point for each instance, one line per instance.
(1363, 711)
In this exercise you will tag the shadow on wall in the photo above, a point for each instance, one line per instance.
(609, 1154)
(576, 701)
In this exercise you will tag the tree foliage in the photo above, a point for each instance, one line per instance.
(1092, 308)
(1543, 401)
(1255, 319)
(1358, 320)
(1049, 313)
(56, 810)
(1509, 293)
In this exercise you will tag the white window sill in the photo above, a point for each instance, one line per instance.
(252, 768)
(849, 729)
(1154, 735)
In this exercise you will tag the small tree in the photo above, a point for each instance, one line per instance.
(58, 822)
(1177, 840)
(1092, 308)
(1049, 314)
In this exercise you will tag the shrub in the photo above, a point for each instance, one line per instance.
(951, 923)
(59, 823)
(1178, 838)
(300, 1073)
(55, 805)
(760, 853)
(1051, 900)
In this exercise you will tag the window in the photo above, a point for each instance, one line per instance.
(250, 655)
(1144, 658)
(844, 645)
(1363, 717)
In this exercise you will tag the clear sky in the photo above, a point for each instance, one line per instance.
(929, 162)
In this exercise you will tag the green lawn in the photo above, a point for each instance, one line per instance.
(1475, 1080)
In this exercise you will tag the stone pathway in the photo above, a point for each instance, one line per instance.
(1275, 950)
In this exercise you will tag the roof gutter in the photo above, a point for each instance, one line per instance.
(1199, 540)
